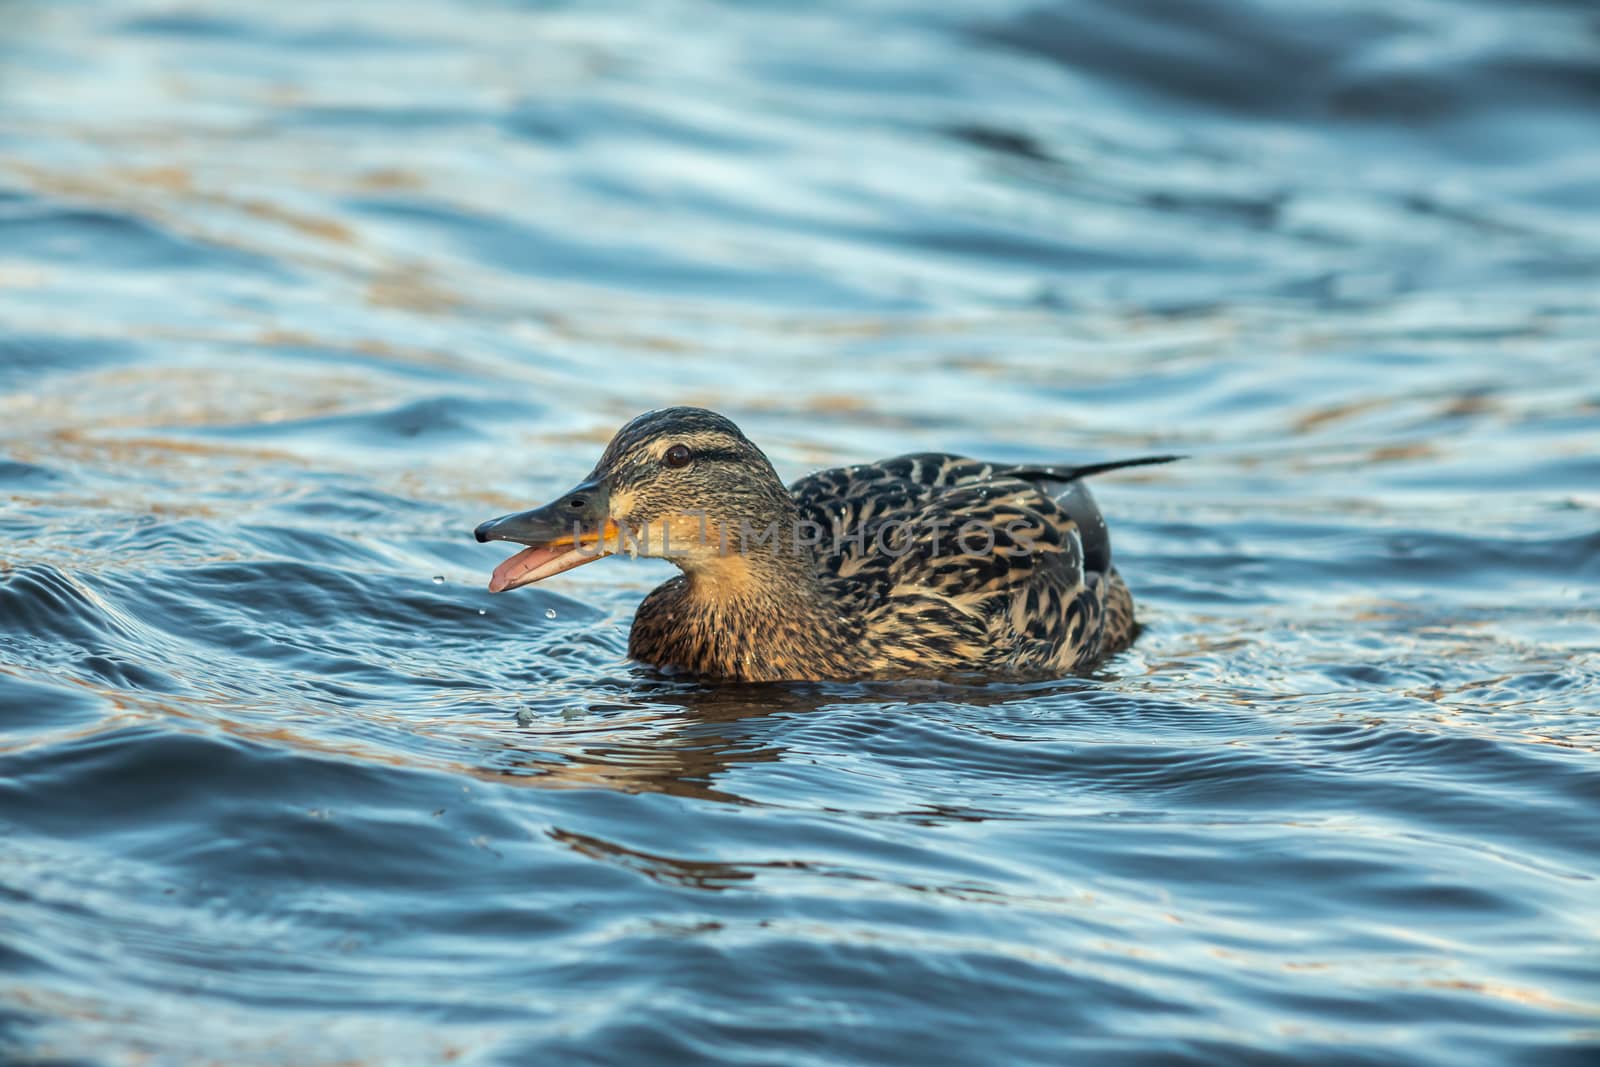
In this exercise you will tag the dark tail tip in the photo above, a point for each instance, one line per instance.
(1119, 464)
(1072, 474)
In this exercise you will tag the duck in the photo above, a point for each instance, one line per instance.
(926, 565)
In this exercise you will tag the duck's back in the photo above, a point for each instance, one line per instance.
(943, 564)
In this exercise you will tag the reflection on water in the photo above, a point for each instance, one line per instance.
(291, 297)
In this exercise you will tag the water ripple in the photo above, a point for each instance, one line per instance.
(294, 297)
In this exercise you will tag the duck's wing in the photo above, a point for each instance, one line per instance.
(1025, 586)
(920, 475)
(851, 500)
(947, 566)
(916, 475)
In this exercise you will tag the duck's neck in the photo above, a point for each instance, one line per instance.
(757, 612)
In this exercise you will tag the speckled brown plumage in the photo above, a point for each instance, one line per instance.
(924, 565)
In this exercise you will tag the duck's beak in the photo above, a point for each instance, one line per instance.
(566, 533)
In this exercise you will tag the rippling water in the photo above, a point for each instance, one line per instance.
(293, 295)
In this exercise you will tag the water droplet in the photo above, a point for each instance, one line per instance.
(549, 613)
(438, 579)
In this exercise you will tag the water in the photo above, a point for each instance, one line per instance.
(294, 295)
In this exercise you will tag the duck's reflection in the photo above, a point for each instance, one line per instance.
(647, 734)
(683, 739)
(691, 874)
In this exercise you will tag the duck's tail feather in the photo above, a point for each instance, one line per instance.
(1072, 474)
(1076, 500)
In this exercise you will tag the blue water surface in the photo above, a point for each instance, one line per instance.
(294, 295)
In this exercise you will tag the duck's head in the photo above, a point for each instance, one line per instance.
(679, 483)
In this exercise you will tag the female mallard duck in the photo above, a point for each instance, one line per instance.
(926, 565)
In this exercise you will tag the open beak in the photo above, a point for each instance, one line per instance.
(566, 533)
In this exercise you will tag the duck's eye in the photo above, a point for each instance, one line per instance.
(677, 456)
